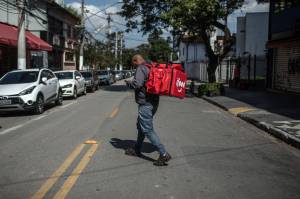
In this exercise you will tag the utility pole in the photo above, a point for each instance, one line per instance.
(109, 23)
(121, 51)
(116, 49)
(82, 36)
(21, 36)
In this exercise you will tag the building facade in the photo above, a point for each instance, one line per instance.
(47, 23)
(284, 46)
(63, 35)
(193, 56)
(35, 23)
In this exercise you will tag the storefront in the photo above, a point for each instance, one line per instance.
(286, 65)
(36, 51)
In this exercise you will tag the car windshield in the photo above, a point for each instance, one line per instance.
(102, 72)
(20, 77)
(64, 75)
(86, 74)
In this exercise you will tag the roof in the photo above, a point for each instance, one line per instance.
(26, 70)
(191, 38)
(58, 6)
(63, 71)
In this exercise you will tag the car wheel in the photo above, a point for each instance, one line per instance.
(75, 93)
(59, 100)
(84, 91)
(39, 105)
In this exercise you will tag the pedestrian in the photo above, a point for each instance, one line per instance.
(147, 107)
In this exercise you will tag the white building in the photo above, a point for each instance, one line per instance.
(251, 39)
(192, 55)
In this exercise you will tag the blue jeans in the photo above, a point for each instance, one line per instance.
(145, 128)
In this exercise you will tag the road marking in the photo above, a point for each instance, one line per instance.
(65, 106)
(90, 142)
(238, 110)
(11, 129)
(38, 118)
(114, 113)
(58, 173)
(33, 120)
(69, 183)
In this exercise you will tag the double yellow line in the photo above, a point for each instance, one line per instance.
(71, 180)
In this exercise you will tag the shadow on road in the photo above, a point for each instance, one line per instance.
(115, 88)
(24, 113)
(125, 144)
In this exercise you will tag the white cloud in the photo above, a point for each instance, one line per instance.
(250, 6)
(253, 6)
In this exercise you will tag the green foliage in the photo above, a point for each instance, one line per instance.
(98, 56)
(211, 89)
(157, 50)
(196, 17)
(72, 11)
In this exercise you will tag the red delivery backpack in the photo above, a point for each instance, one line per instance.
(166, 79)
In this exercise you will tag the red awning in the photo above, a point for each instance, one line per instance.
(9, 36)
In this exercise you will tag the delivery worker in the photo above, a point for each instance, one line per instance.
(147, 107)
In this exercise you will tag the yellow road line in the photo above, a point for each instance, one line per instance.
(69, 183)
(238, 110)
(58, 173)
(114, 113)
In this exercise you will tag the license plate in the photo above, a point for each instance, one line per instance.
(5, 102)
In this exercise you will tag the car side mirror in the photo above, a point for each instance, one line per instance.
(44, 80)
(77, 77)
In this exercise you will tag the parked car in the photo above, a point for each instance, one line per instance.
(29, 89)
(72, 83)
(91, 80)
(118, 75)
(128, 74)
(105, 77)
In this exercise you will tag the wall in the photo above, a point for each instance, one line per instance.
(33, 24)
(252, 36)
(240, 36)
(193, 56)
(256, 33)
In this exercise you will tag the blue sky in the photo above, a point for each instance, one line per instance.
(134, 38)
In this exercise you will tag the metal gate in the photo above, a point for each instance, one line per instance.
(287, 69)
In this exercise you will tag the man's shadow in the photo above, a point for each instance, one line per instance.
(125, 144)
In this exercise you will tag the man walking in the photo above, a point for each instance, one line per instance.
(147, 107)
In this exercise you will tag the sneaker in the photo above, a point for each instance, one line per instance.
(132, 152)
(162, 160)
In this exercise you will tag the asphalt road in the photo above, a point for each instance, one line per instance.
(215, 155)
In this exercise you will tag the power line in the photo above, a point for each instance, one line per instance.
(24, 9)
(104, 9)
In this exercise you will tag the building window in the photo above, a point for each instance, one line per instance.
(69, 56)
(69, 31)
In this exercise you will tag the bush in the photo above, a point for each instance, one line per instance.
(211, 89)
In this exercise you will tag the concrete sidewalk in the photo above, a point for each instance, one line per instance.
(276, 113)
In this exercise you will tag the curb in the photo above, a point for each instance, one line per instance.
(214, 103)
(278, 133)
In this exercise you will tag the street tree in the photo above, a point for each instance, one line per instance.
(194, 17)
(99, 56)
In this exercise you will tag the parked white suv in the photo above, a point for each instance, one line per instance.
(71, 82)
(29, 89)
